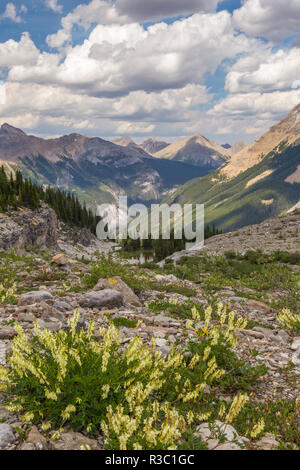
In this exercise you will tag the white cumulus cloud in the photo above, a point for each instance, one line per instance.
(272, 19)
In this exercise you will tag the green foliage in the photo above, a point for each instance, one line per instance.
(68, 378)
(173, 308)
(20, 192)
(138, 279)
(239, 375)
(253, 275)
(161, 248)
(122, 321)
(281, 419)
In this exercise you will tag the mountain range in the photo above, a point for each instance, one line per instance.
(96, 169)
(151, 146)
(260, 181)
(239, 185)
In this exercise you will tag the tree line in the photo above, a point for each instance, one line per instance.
(164, 248)
(18, 192)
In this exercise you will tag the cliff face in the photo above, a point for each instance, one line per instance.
(25, 229)
(196, 150)
(287, 131)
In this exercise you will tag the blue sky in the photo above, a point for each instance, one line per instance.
(226, 69)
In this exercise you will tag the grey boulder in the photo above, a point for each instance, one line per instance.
(34, 297)
(104, 298)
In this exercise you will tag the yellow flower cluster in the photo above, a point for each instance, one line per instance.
(164, 426)
(140, 422)
(7, 293)
(258, 428)
(225, 323)
(237, 405)
(289, 320)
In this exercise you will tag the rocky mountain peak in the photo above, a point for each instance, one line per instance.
(8, 129)
(286, 131)
(125, 142)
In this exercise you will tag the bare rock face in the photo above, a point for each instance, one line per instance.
(26, 229)
(84, 237)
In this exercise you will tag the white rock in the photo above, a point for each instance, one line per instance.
(217, 427)
(162, 345)
(268, 442)
(296, 358)
(228, 446)
(2, 353)
(296, 344)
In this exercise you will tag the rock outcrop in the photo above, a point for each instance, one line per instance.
(27, 229)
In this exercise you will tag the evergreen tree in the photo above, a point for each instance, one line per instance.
(21, 192)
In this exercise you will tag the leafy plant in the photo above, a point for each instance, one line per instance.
(138, 398)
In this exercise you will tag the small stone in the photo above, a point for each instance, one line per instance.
(60, 260)
(253, 334)
(4, 413)
(27, 446)
(284, 336)
(84, 237)
(2, 353)
(62, 306)
(229, 446)
(268, 442)
(265, 331)
(27, 317)
(162, 345)
(36, 438)
(6, 435)
(7, 332)
(296, 358)
(206, 431)
(296, 344)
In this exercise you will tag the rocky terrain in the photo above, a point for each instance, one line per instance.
(27, 229)
(278, 233)
(55, 278)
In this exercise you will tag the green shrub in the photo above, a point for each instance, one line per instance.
(121, 321)
(139, 399)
